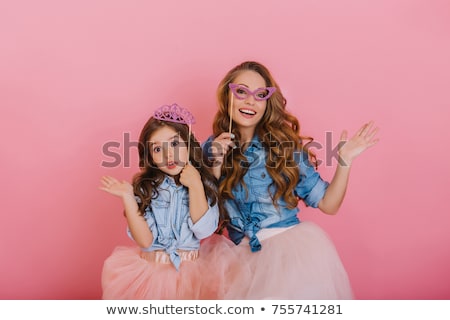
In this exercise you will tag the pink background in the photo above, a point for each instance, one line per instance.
(75, 75)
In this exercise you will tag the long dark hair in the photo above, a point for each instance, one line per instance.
(146, 182)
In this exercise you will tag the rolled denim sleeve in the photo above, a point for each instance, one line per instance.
(311, 187)
(207, 224)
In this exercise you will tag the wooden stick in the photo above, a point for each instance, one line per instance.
(231, 112)
(189, 141)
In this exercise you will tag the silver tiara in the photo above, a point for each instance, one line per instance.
(174, 113)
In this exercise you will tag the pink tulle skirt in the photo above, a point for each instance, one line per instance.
(128, 274)
(298, 263)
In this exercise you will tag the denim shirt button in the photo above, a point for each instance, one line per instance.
(263, 175)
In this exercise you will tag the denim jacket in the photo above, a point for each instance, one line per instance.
(252, 210)
(171, 225)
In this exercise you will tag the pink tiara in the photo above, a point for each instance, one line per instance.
(174, 113)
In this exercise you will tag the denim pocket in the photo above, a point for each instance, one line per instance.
(259, 190)
(259, 183)
(185, 201)
(161, 211)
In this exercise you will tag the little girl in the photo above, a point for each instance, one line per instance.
(170, 206)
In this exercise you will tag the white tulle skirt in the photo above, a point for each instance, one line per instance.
(299, 263)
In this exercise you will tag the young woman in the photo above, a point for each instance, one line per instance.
(264, 170)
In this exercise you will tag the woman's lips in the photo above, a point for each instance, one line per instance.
(247, 113)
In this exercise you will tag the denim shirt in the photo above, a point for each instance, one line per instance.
(170, 222)
(253, 210)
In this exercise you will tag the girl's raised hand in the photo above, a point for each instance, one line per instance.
(116, 187)
(350, 148)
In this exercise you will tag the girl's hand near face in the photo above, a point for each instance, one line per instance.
(198, 204)
(190, 177)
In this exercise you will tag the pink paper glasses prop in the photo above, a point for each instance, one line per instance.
(175, 113)
(242, 92)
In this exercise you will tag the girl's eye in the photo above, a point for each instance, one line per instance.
(175, 143)
(156, 149)
(262, 94)
(241, 91)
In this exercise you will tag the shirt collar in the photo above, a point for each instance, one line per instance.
(170, 181)
(255, 142)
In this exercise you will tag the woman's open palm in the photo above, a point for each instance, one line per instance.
(362, 140)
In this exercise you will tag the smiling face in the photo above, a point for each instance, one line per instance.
(168, 150)
(248, 111)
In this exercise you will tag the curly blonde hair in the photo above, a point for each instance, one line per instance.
(279, 132)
